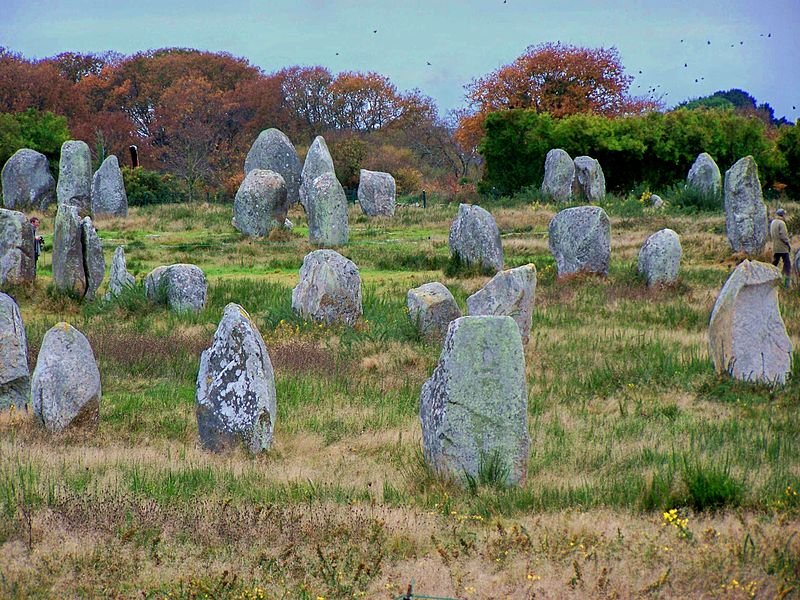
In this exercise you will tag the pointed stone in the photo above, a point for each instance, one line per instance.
(580, 240)
(474, 239)
(509, 293)
(69, 273)
(15, 385)
(27, 181)
(318, 161)
(328, 223)
(108, 190)
(431, 308)
(329, 290)
(273, 151)
(119, 278)
(705, 177)
(75, 176)
(745, 211)
(17, 262)
(559, 173)
(261, 203)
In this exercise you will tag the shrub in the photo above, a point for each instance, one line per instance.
(145, 187)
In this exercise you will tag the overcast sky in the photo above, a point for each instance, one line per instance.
(755, 45)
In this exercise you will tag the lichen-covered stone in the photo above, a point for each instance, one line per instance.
(236, 387)
(376, 193)
(69, 273)
(509, 293)
(118, 277)
(17, 262)
(75, 176)
(745, 211)
(108, 190)
(580, 240)
(273, 151)
(660, 258)
(154, 290)
(261, 203)
(589, 184)
(65, 388)
(318, 161)
(656, 201)
(94, 263)
(474, 408)
(559, 173)
(15, 382)
(27, 181)
(431, 308)
(181, 287)
(746, 336)
(704, 176)
(326, 209)
(474, 239)
(329, 290)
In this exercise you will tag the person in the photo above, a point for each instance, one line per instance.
(780, 243)
(38, 240)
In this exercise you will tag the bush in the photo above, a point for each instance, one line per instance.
(40, 131)
(145, 187)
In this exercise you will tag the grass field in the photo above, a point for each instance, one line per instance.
(628, 421)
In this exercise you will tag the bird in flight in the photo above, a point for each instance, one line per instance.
(429, 64)
(374, 31)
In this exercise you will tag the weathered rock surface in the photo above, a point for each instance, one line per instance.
(118, 277)
(108, 190)
(656, 201)
(474, 408)
(559, 173)
(660, 258)
(15, 384)
(745, 211)
(94, 263)
(69, 274)
(589, 184)
(182, 287)
(704, 176)
(17, 262)
(580, 240)
(65, 389)
(154, 290)
(510, 293)
(261, 203)
(377, 193)
(27, 181)
(273, 151)
(474, 238)
(326, 209)
(746, 336)
(75, 176)
(318, 161)
(797, 262)
(329, 290)
(431, 307)
(236, 387)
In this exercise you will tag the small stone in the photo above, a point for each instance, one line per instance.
(15, 385)
(660, 258)
(329, 290)
(580, 240)
(745, 211)
(318, 161)
(704, 176)
(75, 176)
(431, 308)
(746, 336)
(326, 208)
(261, 203)
(509, 293)
(181, 287)
(589, 184)
(376, 193)
(119, 278)
(656, 201)
(108, 190)
(65, 389)
(93, 260)
(474, 239)
(559, 173)
(68, 267)
(17, 262)
(27, 181)
(273, 151)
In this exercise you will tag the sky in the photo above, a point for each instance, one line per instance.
(754, 45)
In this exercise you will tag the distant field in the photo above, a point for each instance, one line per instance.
(627, 420)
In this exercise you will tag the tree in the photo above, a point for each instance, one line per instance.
(739, 101)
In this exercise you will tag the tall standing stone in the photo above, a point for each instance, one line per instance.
(17, 262)
(15, 382)
(329, 290)
(118, 277)
(704, 176)
(660, 258)
(580, 240)
(236, 387)
(108, 190)
(559, 173)
(745, 211)
(261, 203)
(65, 389)
(377, 193)
(509, 293)
(94, 263)
(474, 239)
(318, 162)
(589, 184)
(328, 223)
(474, 408)
(431, 308)
(69, 273)
(75, 176)
(27, 181)
(746, 336)
(273, 151)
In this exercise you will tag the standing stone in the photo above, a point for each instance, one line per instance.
(589, 184)
(431, 308)
(318, 161)
(474, 408)
(797, 263)
(656, 201)
(509, 293)
(118, 277)
(660, 258)
(75, 176)
(236, 387)
(261, 203)
(108, 190)
(329, 290)
(559, 173)
(181, 287)
(27, 181)
(704, 176)
(745, 211)
(17, 262)
(747, 337)
(273, 151)
(15, 385)
(474, 239)
(65, 389)
(580, 240)
(94, 262)
(154, 290)
(68, 266)
(327, 212)
(376, 193)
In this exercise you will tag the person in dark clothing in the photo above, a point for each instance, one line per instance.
(780, 243)
(38, 240)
